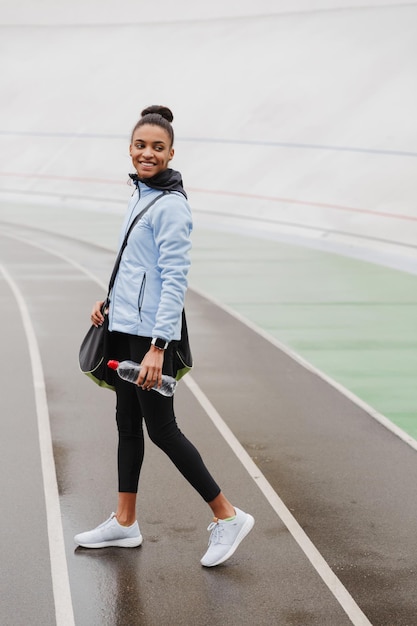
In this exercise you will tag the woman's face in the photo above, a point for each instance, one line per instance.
(150, 150)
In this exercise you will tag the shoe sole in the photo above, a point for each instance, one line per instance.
(129, 542)
(245, 530)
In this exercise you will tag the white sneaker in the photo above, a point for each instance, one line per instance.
(225, 537)
(110, 533)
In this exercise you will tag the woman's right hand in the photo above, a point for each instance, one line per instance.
(96, 315)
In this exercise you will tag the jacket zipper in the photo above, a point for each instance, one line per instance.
(134, 206)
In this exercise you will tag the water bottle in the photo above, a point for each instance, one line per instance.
(129, 370)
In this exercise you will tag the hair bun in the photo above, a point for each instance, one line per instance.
(160, 110)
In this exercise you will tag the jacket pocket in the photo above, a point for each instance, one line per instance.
(141, 295)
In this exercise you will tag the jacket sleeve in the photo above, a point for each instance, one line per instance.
(172, 225)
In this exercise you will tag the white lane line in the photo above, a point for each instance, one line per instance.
(59, 570)
(348, 604)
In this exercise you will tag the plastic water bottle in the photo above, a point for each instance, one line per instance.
(129, 370)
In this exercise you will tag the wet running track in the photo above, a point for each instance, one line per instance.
(332, 491)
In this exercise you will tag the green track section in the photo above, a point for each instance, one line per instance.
(354, 320)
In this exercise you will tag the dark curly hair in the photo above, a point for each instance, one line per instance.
(157, 115)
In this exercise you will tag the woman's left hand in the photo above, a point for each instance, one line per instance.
(151, 369)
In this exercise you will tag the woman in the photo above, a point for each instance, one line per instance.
(145, 322)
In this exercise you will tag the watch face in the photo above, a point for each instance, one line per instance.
(160, 343)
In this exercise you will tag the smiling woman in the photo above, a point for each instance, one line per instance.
(145, 316)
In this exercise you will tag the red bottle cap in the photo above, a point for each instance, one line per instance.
(113, 364)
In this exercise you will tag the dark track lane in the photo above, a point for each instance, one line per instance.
(349, 482)
(25, 574)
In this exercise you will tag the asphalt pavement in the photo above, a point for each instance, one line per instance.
(346, 480)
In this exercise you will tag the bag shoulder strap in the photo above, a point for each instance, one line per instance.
(124, 244)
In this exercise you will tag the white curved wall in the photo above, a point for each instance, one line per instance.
(299, 117)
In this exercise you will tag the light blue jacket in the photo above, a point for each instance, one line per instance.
(148, 294)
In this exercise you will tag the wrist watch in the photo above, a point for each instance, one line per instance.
(159, 343)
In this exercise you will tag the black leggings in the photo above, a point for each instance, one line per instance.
(135, 405)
